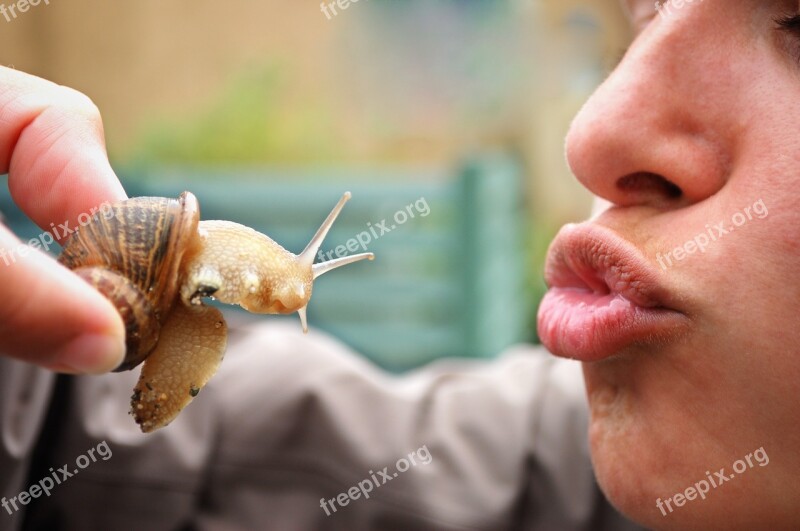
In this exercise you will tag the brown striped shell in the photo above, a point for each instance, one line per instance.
(132, 253)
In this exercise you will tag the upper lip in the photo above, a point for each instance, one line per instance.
(594, 258)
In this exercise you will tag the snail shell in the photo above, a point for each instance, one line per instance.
(132, 254)
(155, 261)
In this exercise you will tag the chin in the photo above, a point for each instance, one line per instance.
(645, 447)
(633, 478)
(621, 456)
(636, 460)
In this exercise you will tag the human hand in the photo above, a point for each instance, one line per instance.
(53, 149)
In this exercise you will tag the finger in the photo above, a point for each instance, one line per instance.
(50, 317)
(51, 144)
(52, 147)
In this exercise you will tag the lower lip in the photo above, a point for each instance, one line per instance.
(587, 326)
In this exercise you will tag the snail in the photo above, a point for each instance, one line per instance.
(156, 261)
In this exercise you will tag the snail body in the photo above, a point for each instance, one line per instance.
(256, 272)
(156, 261)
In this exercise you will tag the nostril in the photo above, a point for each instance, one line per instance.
(644, 183)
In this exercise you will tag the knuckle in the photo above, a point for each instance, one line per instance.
(76, 104)
(79, 101)
(70, 110)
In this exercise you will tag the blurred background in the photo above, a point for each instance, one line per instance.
(445, 118)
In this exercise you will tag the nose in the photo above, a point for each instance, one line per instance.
(651, 134)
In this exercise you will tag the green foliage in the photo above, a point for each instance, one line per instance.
(254, 120)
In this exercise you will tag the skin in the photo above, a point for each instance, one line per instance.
(52, 147)
(705, 99)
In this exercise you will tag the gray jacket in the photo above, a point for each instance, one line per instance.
(296, 433)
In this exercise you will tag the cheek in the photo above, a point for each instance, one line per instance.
(734, 256)
(748, 281)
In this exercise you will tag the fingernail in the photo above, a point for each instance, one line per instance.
(93, 354)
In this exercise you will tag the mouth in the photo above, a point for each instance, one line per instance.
(603, 297)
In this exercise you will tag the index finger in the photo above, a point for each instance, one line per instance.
(52, 146)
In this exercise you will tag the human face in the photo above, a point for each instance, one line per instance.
(691, 357)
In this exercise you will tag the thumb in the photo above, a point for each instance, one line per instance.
(50, 318)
